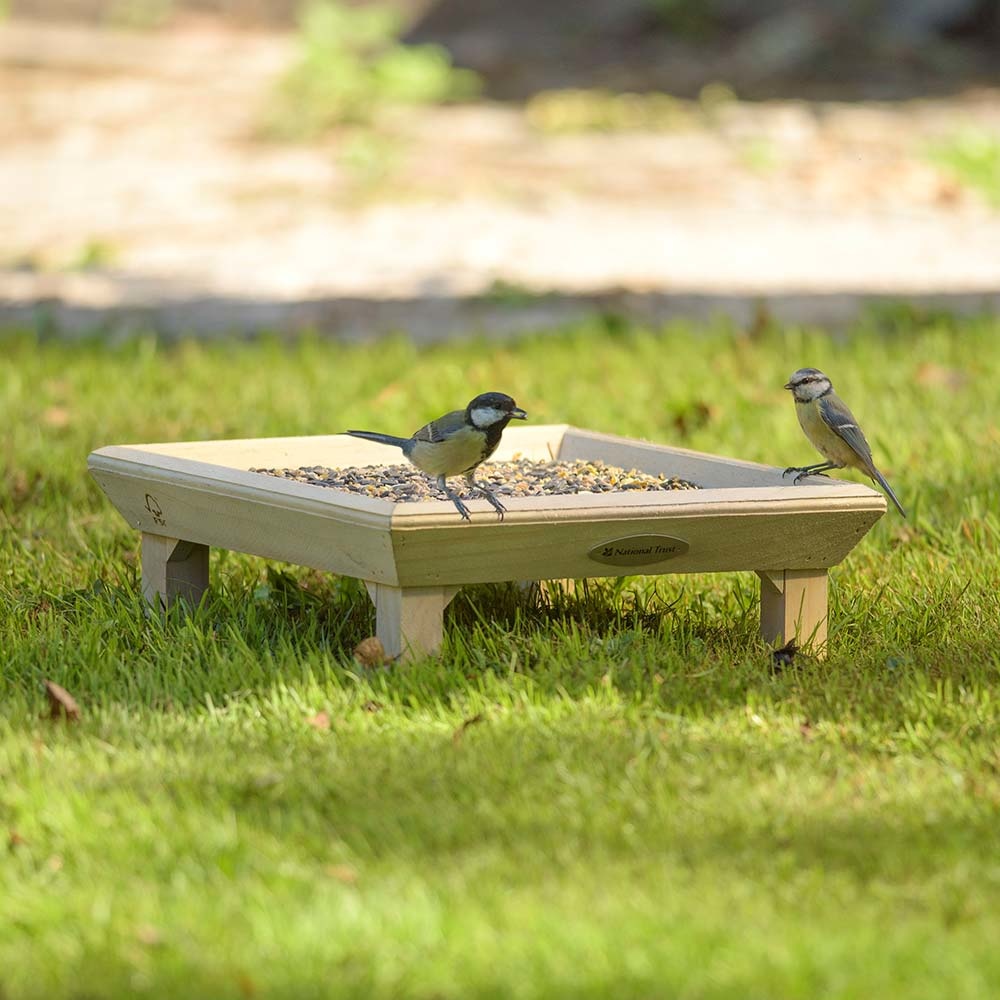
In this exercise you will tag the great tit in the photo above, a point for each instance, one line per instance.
(832, 429)
(453, 445)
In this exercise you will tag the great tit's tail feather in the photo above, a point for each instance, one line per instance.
(880, 479)
(389, 439)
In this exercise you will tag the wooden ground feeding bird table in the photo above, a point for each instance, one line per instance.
(413, 557)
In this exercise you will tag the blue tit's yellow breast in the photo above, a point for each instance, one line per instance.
(463, 450)
(826, 441)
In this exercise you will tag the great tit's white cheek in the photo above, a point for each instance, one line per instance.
(487, 416)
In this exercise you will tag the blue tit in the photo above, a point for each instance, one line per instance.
(455, 444)
(832, 429)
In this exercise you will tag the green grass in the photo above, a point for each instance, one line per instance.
(972, 158)
(645, 807)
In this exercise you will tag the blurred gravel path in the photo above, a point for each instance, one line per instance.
(131, 188)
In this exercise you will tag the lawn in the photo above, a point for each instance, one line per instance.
(611, 794)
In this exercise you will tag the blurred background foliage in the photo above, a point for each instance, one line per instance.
(972, 157)
(764, 48)
(351, 63)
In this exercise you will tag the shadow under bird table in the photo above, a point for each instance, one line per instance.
(413, 557)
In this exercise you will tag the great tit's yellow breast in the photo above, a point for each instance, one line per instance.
(462, 451)
(826, 441)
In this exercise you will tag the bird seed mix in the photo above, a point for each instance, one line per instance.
(521, 477)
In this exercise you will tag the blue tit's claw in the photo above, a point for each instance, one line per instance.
(494, 503)
(809, 472)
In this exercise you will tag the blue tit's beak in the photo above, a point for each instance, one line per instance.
(788, 385)
(518, 414)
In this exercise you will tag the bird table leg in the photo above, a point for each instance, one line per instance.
(173, 569)
(409, 621)
(793, 602)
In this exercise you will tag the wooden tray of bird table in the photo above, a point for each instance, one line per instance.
(186, 497)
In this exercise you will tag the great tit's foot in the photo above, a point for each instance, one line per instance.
(442, 485)
(792, 468)
(459, 506)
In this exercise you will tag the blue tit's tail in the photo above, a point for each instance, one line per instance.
(880, 479)
(389, 439)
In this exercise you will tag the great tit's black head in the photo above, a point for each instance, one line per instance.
(808, 384)
(491, 408)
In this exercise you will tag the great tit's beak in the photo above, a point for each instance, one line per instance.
(518, 414)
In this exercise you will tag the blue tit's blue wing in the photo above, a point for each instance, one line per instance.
(841, 421)
(442, 428)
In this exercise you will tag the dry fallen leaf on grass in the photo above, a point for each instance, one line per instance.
(691, 418)
(40, 609)
(247, 986)
(342, 873)
(904, 534)
(148, 935)
(456, 737)
(14, 840)
(57, 416)
(938, 376)
(370, 653)
(321, 720)
(62, 705)
(19, 486)
(761, 322)
(387, 393)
